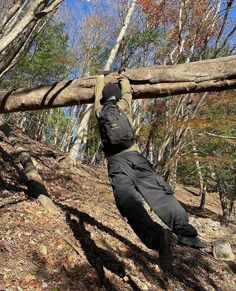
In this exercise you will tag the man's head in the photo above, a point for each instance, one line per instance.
(111, 92)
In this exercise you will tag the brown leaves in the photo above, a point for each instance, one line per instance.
(2, 285)
(5, 247)
(28, 278)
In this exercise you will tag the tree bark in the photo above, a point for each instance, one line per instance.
(150, 82)
(120, 37)
(71, 158)
(202, 186)
(19, 27)
(203, 197)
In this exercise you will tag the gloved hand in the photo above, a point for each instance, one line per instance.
(122, 77)
(104, 73)
(124, 84)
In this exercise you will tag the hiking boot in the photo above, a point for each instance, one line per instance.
(192, 241)
(165, 251)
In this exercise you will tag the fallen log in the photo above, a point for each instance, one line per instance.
(150, 82)
(34, 183)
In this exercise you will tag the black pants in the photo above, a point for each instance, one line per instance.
(133, 178)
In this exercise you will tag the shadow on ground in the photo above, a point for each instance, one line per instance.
(100, 258)
(191, 268)
(196, 211)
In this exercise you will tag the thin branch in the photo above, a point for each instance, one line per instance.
(225, 41)
(227, 10)
(218, 136)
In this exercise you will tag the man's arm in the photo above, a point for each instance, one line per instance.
(125, 102)
(98, 94)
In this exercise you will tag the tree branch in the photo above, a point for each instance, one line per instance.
(219, 136)
(20, 26)
(150, 82)
(52, 7)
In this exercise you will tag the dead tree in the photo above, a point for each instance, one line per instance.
(150, 82)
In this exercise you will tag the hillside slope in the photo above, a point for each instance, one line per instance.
(88, 246)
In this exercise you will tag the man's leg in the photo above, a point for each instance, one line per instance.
(159, 196)
(170, 211)
(130, 204)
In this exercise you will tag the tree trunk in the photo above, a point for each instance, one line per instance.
(202, 187)
(120, 37)
(35, 185)
(94, 158)
(152, 82)
(19, 27)
(72, 155)
(224, 201)
(203, 197)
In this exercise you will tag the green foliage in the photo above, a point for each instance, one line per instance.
(57, 124)
(57, 119)
(48, 60)
(146, 37)
(97, 60)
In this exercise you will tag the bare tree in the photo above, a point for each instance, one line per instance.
(193, 31)
(120, 37)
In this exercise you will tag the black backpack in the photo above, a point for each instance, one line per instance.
(115, 129)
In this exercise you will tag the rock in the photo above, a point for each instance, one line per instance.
(196, 223)
(48, 204)
(44, 285)
(108, 196)
(205, 225)
(233, 237)
(214, 225)
(36, 164)
(222, 250)
(43, 250)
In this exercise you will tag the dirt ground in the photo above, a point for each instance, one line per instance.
(89, 246)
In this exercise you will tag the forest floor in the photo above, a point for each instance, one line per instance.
(89, 246)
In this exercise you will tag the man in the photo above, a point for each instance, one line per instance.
(133, 178)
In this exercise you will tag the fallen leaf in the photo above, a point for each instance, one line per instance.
(5, 247)
(157, 269)
(2, 286)
(28, 278)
